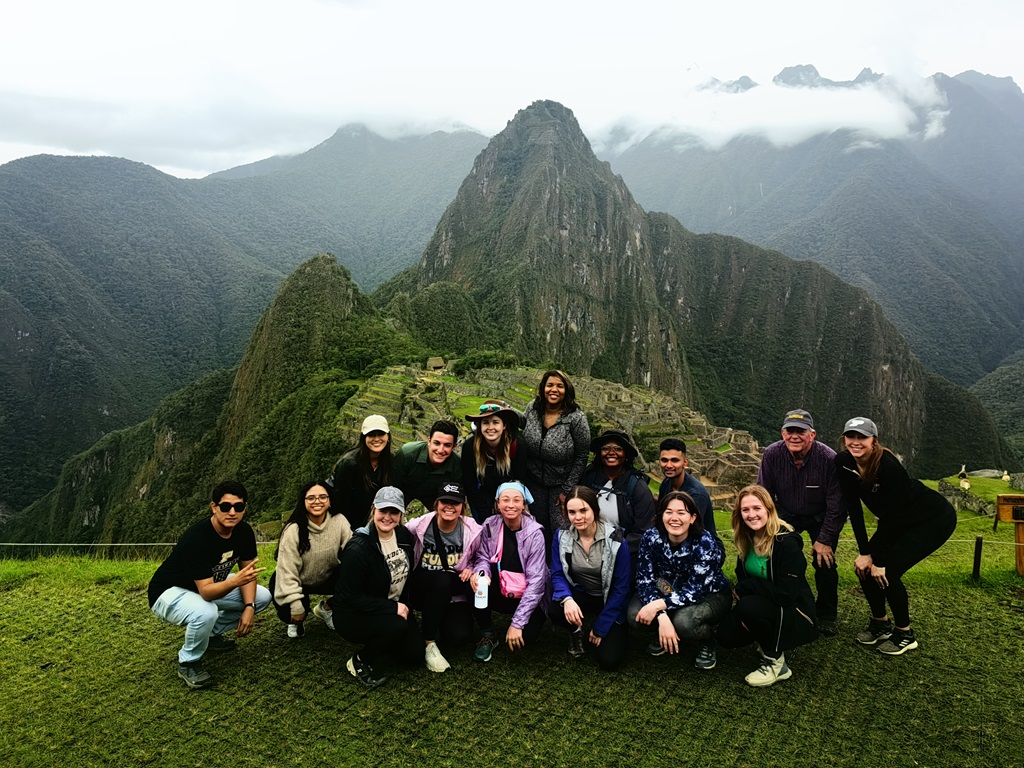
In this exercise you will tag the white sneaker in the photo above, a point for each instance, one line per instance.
(321, 611)
(435, 661)
(769, 672)
(296, 630)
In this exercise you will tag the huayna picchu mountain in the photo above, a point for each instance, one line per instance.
(567, 267)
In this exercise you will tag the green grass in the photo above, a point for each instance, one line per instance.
(986, 488)
(89, 679)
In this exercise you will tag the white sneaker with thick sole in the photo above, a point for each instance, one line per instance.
(436, 662)
(326, 616)
(769, 672)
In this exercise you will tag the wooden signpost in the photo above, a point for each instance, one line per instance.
(1010, 509)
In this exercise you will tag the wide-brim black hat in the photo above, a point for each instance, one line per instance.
(614, 436)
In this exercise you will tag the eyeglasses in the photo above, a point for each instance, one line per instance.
(490, 408)
(226, 507)
(612, 448)
(321, 497)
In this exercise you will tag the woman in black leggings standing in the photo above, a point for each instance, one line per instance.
(913, 522)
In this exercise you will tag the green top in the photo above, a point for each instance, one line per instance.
(418, 478)
(756, 565)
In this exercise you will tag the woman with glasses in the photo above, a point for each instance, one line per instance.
(446, 542)
(913, 522)
(556, 437)
(371, 605)
(307, 557)
(362, 471)
(491, 456)
(622, 491)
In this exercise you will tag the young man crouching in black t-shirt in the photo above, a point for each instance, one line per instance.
(194, 586)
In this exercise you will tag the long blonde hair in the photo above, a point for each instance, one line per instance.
(502, 453)
(741, 534)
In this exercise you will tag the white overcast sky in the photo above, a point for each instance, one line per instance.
(194, 86)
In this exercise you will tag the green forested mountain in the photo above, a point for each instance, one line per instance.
(930, 227)
(120, 284)
(1001, 393)
(566, 266)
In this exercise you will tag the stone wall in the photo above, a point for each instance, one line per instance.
(961, 500)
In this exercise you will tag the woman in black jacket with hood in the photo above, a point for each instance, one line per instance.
(625, 499)
(774, 605)
(369, 601)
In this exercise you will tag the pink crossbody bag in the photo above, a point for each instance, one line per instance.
(512, 583)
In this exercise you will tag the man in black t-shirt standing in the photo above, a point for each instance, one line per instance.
(194, 586)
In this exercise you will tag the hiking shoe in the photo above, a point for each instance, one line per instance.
(436, 662)
(876, 632)
(298, 629)
(576, 649)
(769, 672)
(325, 614)
(364, 673)
(485, 647)
(706, 657)
(219, 643)
(193, 674)
(655, 649)
(828, 627)
(899, 642)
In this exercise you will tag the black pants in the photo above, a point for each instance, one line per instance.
(548, 512)
(284, 612)
(507, 605)
(694, 622)
(912, 546)
(612, 650)
(382, 633)
(826, 577)
(431, 593)
(758, 619)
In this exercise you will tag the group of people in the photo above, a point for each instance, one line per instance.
(521, 525)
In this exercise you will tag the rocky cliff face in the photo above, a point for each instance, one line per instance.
(557, 253)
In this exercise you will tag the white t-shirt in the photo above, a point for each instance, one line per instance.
(608, 501)
(398, 565)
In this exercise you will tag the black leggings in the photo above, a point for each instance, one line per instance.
(431, 593)
(612, 650)
(284, 612)
(382, 633)
(507, 605)
(910, 548)
(758, 619)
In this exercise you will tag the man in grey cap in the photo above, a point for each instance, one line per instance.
(800, 474)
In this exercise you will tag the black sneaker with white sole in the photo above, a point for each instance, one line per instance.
(899, 642)
(364, 673)
(193, 674)
(875, 632)
(219, 643)
(655, 649)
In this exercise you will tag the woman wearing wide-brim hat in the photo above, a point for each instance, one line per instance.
(622, 491)
(913, 522)
(491, 456)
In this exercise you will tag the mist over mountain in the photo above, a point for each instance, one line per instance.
(929, 225)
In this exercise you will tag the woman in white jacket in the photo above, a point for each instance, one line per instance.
(307, 558)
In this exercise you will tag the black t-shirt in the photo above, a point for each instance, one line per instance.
(200, 554)
(510, 560)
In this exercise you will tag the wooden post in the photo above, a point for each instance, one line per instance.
(1010, 509)
(976, 574)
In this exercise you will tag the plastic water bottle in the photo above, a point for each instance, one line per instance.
(482, 582)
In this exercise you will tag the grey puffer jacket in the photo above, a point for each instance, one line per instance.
(556, 457)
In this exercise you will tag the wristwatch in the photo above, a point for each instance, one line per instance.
(249, 605)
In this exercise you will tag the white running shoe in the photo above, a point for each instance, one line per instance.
(436, 662)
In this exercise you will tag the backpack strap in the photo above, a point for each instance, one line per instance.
(439, 543)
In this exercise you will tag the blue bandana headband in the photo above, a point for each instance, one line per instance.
(522, 489)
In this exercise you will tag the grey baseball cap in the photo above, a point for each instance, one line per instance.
(389, 497)
(799, 419)
(861, 426)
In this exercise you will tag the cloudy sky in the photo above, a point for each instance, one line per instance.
(196, 86)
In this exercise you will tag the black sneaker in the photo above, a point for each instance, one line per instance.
(899, 642)
(364, 673)
(655, 649)
(193, 674)
(576, 648)
(876, 632)
(828, 627)
(219, 643)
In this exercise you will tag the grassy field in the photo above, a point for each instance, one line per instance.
(89, 679)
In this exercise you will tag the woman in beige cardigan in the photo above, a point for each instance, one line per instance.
(307, 558)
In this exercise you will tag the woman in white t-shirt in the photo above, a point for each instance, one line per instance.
(370, 606)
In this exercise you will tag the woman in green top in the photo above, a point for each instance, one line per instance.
(774, 605)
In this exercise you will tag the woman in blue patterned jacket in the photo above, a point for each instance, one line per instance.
(680, 587)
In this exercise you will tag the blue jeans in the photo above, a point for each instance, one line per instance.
(203, 618)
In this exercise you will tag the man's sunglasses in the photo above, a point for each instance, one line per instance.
(226, 507)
